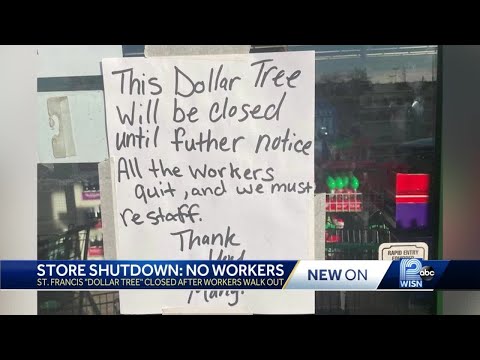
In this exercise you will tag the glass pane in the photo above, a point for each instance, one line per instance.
(374, 159)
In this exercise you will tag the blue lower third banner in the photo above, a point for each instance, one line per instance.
(354, 275)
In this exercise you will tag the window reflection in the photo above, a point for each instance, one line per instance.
(374, 152)
(373, 102)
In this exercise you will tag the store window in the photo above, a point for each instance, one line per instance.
(374, 159)
(374, 163)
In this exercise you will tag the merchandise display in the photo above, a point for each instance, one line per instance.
(343, 195)
(76, 194)
(407, 202)
(91, 191)
(374, 192)
(95, 248)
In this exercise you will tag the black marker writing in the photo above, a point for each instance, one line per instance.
(136, 113)
(292, 187)
(283, 143)
(189, 239)
(182, 214)
(224, 110)
(204, 142)
(128, 167)
(179, 115)
(138, 140)
(137, 85)
(185, 86)
(210, 190)
(209, 295)
(152, 192)
(164, 170)
(263, 73)
(250, 189)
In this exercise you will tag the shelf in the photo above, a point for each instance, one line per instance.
(357, 237)
(351, 202)
(349, 164)
(352, 246)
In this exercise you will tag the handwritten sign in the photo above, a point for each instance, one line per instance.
(213, 159)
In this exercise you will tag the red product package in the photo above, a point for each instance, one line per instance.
(409, 184)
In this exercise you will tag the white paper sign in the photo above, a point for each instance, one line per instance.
(213, 159)
(397, 251)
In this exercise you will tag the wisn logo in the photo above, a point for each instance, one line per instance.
(412, 274)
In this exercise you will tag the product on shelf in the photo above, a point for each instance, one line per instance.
(329, 224)
(329, 235)
(408, 184)
(338, 222)
(332, 224)
(332, 238)
(377, 221)
(331, 184)
(95, 248)
(343, 196)
(91, 190)
(410, 216)
(408, 200)
(339, 183)
(354, 183)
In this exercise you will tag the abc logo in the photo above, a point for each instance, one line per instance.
(427, 273)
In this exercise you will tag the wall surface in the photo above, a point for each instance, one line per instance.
(460, 170)
(18, 189)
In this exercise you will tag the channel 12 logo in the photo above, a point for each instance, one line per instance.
(412, 274)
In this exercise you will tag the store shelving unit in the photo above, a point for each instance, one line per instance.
(348, 202)
(355, 241)
(358, 242)
(72, 245)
